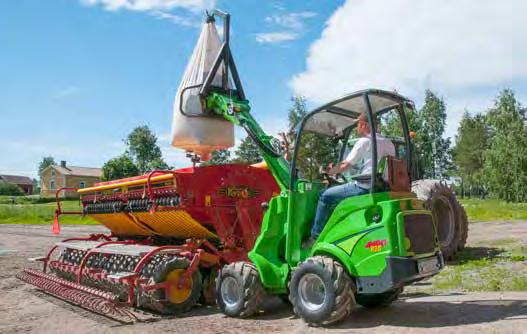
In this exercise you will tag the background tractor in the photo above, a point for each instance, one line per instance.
(438, 197)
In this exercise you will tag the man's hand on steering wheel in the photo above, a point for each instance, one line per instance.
(331, 176)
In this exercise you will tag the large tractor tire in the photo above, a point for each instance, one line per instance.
(239, 292)
(449, 215)
(321, 291)
(378, 300)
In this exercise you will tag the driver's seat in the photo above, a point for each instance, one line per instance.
(398, 179)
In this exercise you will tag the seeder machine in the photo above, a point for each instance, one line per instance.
(170, 231)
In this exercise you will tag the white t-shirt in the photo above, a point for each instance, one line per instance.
(361, 154)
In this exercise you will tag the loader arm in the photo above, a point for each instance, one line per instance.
(238, 112)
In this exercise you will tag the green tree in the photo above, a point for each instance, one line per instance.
(505, 166)
(219, 157)
(143, 149)
(390, 125)
(159, 164)
(10, 189)
(36, 187)
(297, 111)
(434, 150)
(471, 142)
(247, 153)
(118, 168)
(315, 150)
(44, 163)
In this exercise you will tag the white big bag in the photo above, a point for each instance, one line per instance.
(204, 134)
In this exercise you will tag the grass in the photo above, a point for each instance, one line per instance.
(490, 209)
(500, 267)
(41, 214)
(30, 199)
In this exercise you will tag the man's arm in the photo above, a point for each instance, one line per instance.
(353, 158)
(342, 166)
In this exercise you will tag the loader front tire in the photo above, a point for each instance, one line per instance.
(238, 290)
(321, 291)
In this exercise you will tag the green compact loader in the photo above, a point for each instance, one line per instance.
(372, 245)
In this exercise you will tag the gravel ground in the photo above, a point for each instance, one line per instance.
(25, 309)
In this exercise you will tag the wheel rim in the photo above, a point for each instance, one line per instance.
(312, 292)
(444, 215)
(230, 291)
(174, 294)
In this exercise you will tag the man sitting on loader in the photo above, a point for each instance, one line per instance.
(360, 154)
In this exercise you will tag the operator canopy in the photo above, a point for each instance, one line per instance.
(333, 118)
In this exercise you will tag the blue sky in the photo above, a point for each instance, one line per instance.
(78, 75)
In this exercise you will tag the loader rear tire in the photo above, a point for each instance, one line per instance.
(321, 291)
(238, 290)
(449, 215)
(180, 300)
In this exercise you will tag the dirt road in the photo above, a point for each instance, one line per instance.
(25, 309)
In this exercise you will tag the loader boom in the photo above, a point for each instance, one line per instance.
(238, 112)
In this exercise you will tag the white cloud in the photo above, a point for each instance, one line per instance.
(151, 5)
(160, 8)
(454, 47)
(276, 37)
(177, 19)
(291, 25)
(293, 21)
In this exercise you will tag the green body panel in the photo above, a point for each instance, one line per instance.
(359, 221)
(351, 235)
(286, 223)
(267, 253)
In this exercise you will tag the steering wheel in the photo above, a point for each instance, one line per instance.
(336, 180)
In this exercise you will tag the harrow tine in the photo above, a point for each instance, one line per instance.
(91, 299)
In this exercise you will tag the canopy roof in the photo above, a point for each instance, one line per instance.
(334, 117)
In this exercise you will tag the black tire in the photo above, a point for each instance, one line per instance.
(464, 228)
(238, 290)
(321, 273)
(285, 299)
(449, 215)
(208, 294)
(380, 299)
(160, 302)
